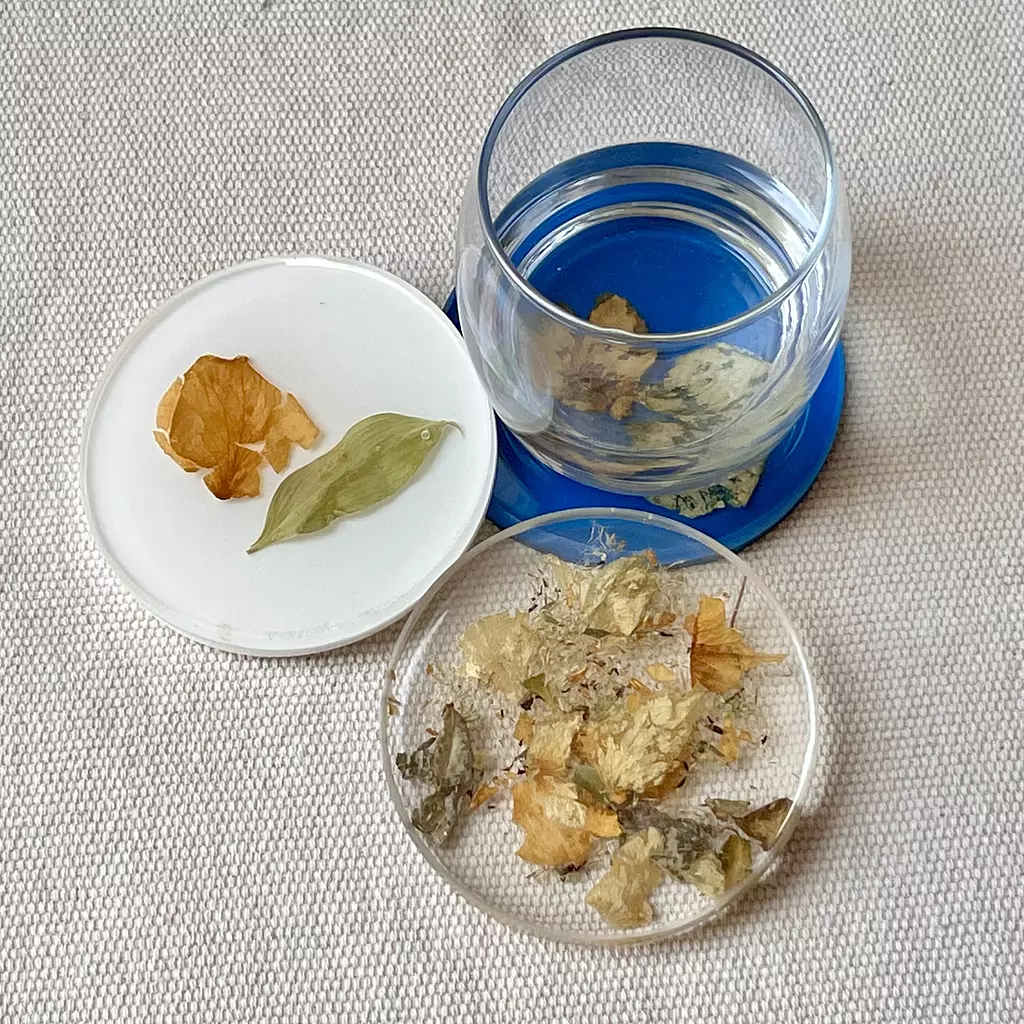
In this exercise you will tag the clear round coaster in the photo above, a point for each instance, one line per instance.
(521, 574)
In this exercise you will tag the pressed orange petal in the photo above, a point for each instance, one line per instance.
(223, 402)
(165, 410)
(238, 476)
(207, 417)
(165, 444)
(289, 424)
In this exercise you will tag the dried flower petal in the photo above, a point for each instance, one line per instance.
(559, 829)
(590, 374)
(207, 417)
(551, 742)
(661, 673)
(637, 744)
(709, 381)
(524, 728)
(484, 792)
(734, 492)
(737, 861)
(498, 650)
(615, 598)
(615, 311)
(238, 476)
(718, 655)
(289, 424)
(622, 895)
(731, 740)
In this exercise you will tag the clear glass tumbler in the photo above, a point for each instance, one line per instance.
(653, 260)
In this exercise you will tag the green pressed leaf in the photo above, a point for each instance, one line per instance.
(453, 752)
(377, 457)
(685, 839)
(445, 763)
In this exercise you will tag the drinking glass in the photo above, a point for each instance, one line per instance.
(691, 178)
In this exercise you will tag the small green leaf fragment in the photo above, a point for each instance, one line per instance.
(587, 777)
(538, 685)
(737, 860)
(706, 874)
(765, 823)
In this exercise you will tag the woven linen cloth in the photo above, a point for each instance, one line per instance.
(193, 836)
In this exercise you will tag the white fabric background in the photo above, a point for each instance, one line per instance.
(193, 836)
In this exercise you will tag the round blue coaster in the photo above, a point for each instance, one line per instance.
(524, 487)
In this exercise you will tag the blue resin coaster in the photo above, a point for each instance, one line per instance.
(524, 487)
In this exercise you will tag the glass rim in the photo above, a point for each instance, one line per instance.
(801, 790)
(613, 335)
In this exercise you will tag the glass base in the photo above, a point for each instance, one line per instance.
(525, 487)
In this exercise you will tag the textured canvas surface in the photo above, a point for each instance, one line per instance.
(193, 836)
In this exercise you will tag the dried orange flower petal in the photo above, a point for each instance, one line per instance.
(209, 418)
(289, 424)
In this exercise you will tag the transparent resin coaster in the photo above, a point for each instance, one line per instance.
(605, 750)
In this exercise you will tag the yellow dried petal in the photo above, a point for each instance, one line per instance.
(551, 742)
(167, 405)
(622, 895)
(524, 728)
(557, 825)
(588, 373)
(223, 402)
(615, 598)
(731, 740)
(661, 673)
(672, 780)
(165, 444)
(639, 746)
(498, 650)
(602, 822)
(484, 793)
(718, 654)
(615, 311)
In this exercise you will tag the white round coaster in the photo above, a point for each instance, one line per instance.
(348, 341)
